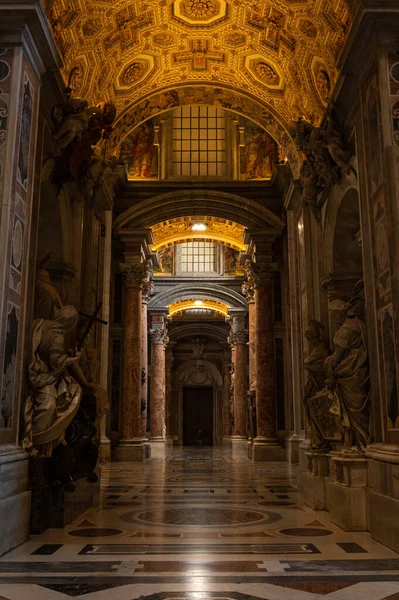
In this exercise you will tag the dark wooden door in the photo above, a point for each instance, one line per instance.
(197, 415)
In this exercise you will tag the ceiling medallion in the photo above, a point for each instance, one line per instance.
(266, 73)
(135, 72)
(199, 13)
(199, 9)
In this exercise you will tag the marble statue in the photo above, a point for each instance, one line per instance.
(55, 394)
(47, 300)
(327, 158)
(315, 368)
(74, 121)
(348, 373)
(98, 175)
(310, 189)
(197, 346)
(87, 370)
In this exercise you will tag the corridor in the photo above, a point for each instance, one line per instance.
(200, 524)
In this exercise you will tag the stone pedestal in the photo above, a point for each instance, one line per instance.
(159, 339)
(15, 499)
(348, 493)
(132, 445)
(313, 479)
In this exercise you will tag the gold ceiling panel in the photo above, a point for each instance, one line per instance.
(282, 52)
(204, 303)
(181, 229)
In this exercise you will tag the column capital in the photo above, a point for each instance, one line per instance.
(262, 272)
(159, 336)
(135, 274)
(238, 337)
(148, 289)
(248, 289)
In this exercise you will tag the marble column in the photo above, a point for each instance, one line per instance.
(159, 339)
(105, 442)
(168, 393)
(226, 396)
(238, 339)
(132, 444)
(266, 445)
(248, 290)
(148, 288)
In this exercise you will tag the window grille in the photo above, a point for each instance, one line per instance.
(199, 146)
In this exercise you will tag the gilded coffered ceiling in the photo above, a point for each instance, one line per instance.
(183, 229)
(283, 53)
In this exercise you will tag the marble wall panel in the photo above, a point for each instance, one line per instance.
(17, 160)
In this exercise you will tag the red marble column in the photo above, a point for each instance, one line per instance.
(159, 339)
(239, 340)
(248, 290)
(266, 445)
(148, 288)
(226, 396)
(169, 391)
(131, 446)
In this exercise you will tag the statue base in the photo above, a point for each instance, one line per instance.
(55, 504)
(137, 450)
(268, 450)
(313, 479)
(347, 494)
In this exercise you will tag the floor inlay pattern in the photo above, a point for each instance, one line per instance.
(200, 525)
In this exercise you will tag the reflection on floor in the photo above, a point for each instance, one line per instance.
(196, 525)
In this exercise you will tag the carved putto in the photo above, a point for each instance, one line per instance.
(78, 128)
(327, 158)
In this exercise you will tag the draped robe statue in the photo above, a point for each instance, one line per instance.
(54, 394)
(316, 375)
(348, 378)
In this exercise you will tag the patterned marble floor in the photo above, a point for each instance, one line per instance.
(199, 525)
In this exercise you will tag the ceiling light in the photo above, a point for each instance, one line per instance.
(198, 303)
(198, 227)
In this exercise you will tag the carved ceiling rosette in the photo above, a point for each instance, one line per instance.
(136, 275)
(159, 336)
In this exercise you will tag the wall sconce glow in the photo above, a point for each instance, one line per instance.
(198, 227)
(198, 303)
